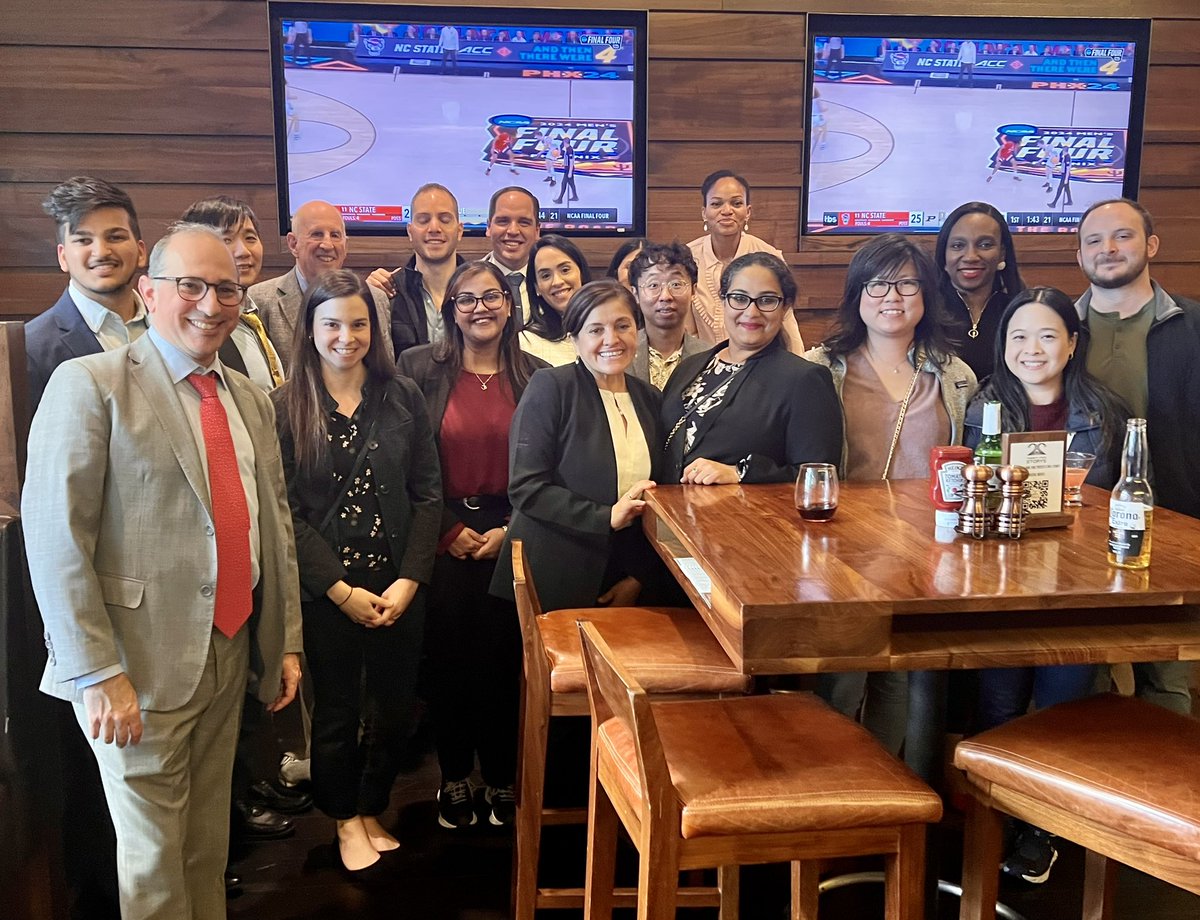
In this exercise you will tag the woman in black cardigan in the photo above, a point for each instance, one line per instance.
(583, 448)
(365, 491)
(472, 382)
(749, 410)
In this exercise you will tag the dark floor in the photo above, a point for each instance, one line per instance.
(465, 875)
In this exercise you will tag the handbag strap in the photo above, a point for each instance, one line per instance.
(374, 404)
(919, 358)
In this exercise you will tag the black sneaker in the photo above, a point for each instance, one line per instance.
(502, 804)
(1032, 856)
(454, 805)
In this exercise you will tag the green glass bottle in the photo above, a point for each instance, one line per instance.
(988, 450)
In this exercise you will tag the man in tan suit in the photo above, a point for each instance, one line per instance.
(126, 511)
(318, 242)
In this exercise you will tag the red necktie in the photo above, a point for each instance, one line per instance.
(231, 517)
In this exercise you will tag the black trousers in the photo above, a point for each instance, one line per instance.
(473, 657)
(360, 675)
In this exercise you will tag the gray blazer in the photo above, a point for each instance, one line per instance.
(278, 301)
(641, 359)
(119, 531)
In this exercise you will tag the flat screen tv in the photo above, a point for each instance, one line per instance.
(373, 101)
(910, 116)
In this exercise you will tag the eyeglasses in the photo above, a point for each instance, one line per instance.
(654, 288)
(905, 287)
(766, 303)
(466, 303)
(229, 293)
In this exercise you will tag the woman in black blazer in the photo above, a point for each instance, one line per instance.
(472, 381)
(365, 491)
(583, 448)
(748, 410)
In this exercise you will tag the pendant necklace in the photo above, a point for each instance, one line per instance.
(973, 332)
(484, 382)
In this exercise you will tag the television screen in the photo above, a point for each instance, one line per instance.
(373, 101)
(910, 117)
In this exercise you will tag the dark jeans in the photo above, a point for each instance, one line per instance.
(473, 651)
(1005, 693)
(359, 672)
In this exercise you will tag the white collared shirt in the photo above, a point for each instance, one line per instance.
(109, 329)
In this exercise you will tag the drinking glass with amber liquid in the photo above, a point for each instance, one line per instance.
(817, 491)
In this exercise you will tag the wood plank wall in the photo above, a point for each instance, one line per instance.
(171, 99)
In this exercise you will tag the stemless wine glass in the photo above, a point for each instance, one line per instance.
(817, 491)
(1078, 465)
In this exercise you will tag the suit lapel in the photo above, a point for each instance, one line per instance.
(149, 374)
(231, 357)
(289, 301)
(76, 336)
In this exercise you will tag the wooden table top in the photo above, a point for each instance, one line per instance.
(878, 587)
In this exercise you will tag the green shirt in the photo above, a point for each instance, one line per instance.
(1117, 354)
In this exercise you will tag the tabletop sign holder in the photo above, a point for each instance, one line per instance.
(1044, 454)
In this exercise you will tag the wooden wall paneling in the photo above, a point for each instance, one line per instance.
(1175, 41)
(168, 69)
(230, 24)
(1171, 105)
(121, 158)
(726, 101)
(1171, 165)
(1116, 9)
(719, 36)
(684, 164)
(675, 213)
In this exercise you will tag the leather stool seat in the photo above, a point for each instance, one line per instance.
(1116, 775)
(772, 764)
(668, 649)
(1111, 760)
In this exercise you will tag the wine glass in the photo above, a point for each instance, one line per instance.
(817, 491)
(1077, 466)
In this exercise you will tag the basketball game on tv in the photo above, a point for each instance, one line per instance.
(903, 127)
(544, 100)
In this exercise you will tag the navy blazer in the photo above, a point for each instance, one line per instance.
(779, 411)
(563, 484)
(55, 336)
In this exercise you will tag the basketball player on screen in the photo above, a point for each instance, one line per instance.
(568, 173)
(1049, 156)
(1064, 180)
(501, 150)
(1004, 158)
(550, 153)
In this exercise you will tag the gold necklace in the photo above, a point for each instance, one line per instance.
(872, 362)
(973, 332)
(482, 382)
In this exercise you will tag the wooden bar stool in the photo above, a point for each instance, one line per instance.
(1118, 776)
(727, 782)
(671, 649)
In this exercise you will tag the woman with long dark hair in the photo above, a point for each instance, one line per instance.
(902, 392)
(1042, 384)
(557, 270)
(365, 490)
(472, 381)
(618, 266)
(978, 261)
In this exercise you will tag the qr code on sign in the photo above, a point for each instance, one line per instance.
(1037, 495)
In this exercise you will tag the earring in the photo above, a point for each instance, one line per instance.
(1001, 266)
(706, 226)
(746, 227)
(1070, 356)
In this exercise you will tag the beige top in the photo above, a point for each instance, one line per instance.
(629, 440)
(706, 319)
(871, 421)
(553, 353)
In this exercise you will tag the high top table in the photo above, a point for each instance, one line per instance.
(878, 588)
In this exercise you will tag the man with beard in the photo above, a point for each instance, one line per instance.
(418, 288)
(663, 279)
(100, 248)
(1142, 343)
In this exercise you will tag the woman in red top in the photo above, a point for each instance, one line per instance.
(472, 381)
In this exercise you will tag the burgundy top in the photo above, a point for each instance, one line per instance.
(1052, 417)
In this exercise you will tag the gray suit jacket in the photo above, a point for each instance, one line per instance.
(119, 532)
(278, 301)
(641, 359)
